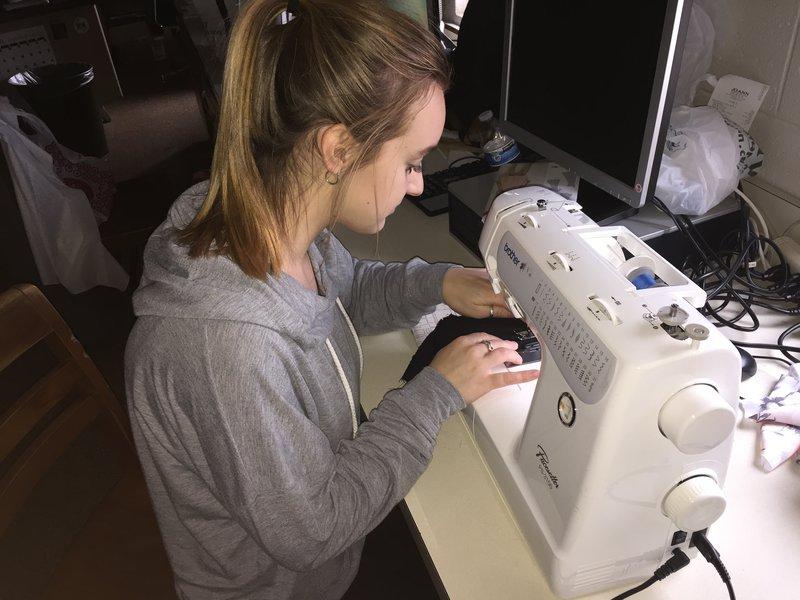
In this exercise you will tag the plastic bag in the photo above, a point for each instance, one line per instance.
(697, 53)
(751, 157)
(88, 174)
(699, 167)
(58, 219)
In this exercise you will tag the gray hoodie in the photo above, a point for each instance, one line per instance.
(242, 396)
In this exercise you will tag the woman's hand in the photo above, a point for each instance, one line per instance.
(469, 292)
(469, 364)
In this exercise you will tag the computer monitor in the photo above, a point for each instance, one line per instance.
(416, 9)
(589, 85)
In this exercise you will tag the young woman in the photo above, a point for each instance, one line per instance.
(243, 368)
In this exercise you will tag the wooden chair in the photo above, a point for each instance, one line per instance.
(118, 553)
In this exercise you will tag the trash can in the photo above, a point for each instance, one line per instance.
(61, 95)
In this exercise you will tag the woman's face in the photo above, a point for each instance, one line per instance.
(377, 189)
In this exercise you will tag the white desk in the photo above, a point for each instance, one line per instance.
(469, 533)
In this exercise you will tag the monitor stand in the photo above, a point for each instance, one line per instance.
(600, 206)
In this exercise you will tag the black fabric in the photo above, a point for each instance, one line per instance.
(454, 326)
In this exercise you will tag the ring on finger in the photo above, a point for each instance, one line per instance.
(491, 311)
(488, 345)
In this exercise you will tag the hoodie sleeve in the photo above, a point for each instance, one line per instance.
(386, 296)
(275, 470)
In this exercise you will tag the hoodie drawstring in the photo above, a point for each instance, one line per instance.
(339, 369)
(355, 336)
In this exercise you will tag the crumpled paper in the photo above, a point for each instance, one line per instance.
(779, 415)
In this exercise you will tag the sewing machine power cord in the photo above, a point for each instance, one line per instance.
(703, 544)
(678, 560)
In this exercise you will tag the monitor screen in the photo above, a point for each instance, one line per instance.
(589, 85)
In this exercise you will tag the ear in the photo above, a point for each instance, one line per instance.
(336, 147)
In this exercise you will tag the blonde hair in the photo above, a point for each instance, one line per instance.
(350, 62)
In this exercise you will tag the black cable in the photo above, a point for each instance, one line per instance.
(637, 589)
(786, 333)
(471, 157)
(687, 230)
(698, 239)
(764, 356)
(674, 563)
(706, 253)
(731, 279)
(777, 309)
(710, 553)
(782, 348)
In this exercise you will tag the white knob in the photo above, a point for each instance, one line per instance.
(696, 419)
(695, 503)
(529, 221)
(558, 262)
(603, 309)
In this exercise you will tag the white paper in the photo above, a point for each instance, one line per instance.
(738, 99)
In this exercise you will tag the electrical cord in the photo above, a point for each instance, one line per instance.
(471, 158)
(732, 281)
(761, 222)
(676, 562)
(767, 347)
(766, 357)
(746, 242)
(706, 548)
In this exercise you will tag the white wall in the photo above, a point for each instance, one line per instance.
(758, 39)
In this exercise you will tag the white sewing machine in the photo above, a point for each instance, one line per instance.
(623, 450)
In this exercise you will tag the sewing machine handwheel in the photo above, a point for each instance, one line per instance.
(696, 419)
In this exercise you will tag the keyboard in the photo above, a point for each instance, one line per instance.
(433, 200)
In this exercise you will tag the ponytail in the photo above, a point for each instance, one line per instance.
(353, 62)
(236, 217)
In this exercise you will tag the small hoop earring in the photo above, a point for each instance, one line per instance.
(331, 178)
